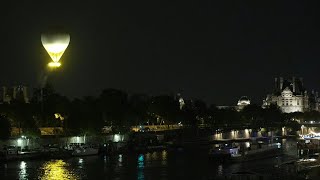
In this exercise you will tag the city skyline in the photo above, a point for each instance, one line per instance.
(214, 51)
(281, 85)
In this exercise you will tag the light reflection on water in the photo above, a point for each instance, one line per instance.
(57, 170)
(141, 167)
(148, 156)
(23, 170)
(81, 163)
(164, 158)
(154, 156)
(120, 158)
(220, 170)
(150, 165)
(150, 160)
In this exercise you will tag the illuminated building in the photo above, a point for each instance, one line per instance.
(9, 94)
(291, 96)
(243, 101)
(181, 101)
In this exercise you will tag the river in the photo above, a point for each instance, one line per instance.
(189, 164)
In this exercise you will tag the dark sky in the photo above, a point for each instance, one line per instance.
(212, 50)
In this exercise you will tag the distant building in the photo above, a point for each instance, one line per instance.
(9, 94)
(225, 107)
(291, 96)
(243, 102)
(180, 100)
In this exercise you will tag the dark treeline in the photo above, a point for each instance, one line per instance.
(119, 110)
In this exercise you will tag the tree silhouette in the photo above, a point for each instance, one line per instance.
(5, 128)
(252, 115)
(113, 104)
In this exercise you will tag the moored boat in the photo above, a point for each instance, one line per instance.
(14, 153)
(223, 152)
(269, 150)
(240, 153)
(85, 150)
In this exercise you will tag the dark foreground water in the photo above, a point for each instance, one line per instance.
(193, 164)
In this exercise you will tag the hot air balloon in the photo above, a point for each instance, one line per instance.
(55, 44)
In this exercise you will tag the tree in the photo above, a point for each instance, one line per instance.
(138, 107)
(312, 116)
(76, 120)
(211, 119)
(5, 128)
(189, 115)
(163, 108)
(293, 125)
(21, 116)
(114, 105)
(84, 117)
(45, 103)
(295, 116)
(273, 116)
(200, 110)
(227, 118)
(252, 115)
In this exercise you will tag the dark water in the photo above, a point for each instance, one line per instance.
(153, 165)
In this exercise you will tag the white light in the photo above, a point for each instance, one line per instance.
(247, 144)
(23, 170)
(116, 138)
(19, 141)
(23, 165)
(307, 160)
(80, 160)
(120, 158)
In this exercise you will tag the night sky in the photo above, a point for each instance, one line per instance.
(217, 51)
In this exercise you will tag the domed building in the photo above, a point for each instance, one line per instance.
(243, 101)
(291, 96)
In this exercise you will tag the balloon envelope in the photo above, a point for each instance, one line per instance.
(55, 44)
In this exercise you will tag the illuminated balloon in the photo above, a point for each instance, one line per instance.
(55, 44)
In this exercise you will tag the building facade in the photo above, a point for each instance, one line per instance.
(291, 96)
(9, 94)
(243, 102)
